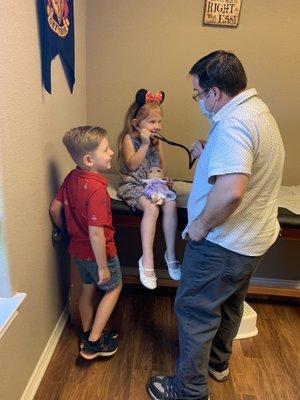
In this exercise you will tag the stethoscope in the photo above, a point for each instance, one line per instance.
(163, 139)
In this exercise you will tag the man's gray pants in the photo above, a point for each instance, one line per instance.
(209, 307)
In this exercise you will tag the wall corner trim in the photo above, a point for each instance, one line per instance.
(45, 358)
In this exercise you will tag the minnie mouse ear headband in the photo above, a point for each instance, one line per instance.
(143, 96)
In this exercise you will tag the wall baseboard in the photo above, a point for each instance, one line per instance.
(276, 283)
(45, 358)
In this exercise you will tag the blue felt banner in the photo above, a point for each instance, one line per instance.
(56, 22)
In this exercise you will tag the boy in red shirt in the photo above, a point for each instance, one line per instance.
(84, 199)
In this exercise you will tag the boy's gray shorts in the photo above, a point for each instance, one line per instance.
(88, 271)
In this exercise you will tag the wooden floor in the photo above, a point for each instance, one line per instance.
(265, 367)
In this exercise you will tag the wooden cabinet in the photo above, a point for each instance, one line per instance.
(280, 256)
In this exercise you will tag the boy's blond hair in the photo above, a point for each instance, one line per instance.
(83, 140)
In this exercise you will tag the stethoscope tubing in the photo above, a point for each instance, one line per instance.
(164, 139)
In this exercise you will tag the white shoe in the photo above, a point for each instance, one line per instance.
(174, 268)
(148, 281)
(219, 376)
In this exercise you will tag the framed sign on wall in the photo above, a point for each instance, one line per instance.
(222, 12)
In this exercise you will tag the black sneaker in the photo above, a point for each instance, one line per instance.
(85, 336)
(112, 334)
(161, 388)
(105, 348)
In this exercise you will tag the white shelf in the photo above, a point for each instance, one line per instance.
(9, 310)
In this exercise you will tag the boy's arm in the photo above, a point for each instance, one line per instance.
(98, 242)
(56, 212)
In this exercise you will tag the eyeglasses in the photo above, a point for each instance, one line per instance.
(199, 95)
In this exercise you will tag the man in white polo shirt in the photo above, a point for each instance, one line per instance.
(232, 221)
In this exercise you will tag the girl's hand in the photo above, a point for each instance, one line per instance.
(145, 136)
(104, 275)
(169, 182)
(197, 148)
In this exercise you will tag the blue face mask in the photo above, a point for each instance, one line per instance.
(204, 110)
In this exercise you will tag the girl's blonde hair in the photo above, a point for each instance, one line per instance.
(129, 128)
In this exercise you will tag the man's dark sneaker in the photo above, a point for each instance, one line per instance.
(219, 376)
(85, 335)
(161, 388)
(106, 347)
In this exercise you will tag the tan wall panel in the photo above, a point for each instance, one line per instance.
(33, 162)
(152, 44)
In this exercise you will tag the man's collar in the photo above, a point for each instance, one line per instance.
(234, 102)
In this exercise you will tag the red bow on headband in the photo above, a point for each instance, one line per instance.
(143, 96)
(154, 97)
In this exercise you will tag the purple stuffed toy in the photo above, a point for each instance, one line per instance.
(156, 187)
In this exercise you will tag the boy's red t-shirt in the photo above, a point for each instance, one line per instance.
(86, 203)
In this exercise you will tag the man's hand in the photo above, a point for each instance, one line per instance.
(196, 231)
(197, 148)
(104, 275)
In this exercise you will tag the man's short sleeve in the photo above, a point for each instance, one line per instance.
(232, 149)
(97, 204)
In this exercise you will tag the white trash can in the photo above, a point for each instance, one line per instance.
(247, 327)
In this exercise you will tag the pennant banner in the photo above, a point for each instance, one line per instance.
(56, 21)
